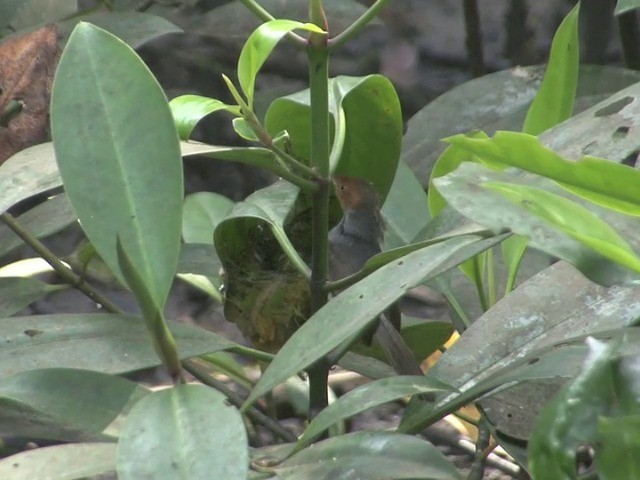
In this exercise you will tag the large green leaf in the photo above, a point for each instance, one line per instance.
(56, 462)
(202, 212)
(499, 101)
(535, 316)
(188, 110)
(64, 404)
(119, 155)
(45, 219)
(554, 101)
(103, 342)
(617, 457)
(493, 211)
(370, 455)
(367, 127)
(361, 303)
(186, 432)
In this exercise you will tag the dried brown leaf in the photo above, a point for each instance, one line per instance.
(27, 67)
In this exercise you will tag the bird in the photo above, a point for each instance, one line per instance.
(355, 239)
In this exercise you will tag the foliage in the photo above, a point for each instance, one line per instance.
(118, 154)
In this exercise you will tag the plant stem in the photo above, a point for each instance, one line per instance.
(60, 268)
(474, 37)
(265, 16)
(356, 27)
(318, 57)
(482, 451)
(629, 35)
(254, 414)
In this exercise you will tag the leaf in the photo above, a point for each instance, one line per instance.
(572, 219)
(532, 319)
(570, 420)
(28, 173)
(48, 218)
(495, 212)
(27, 65)
(56, 462)
(361, 302)
(134, 28)
(64, 404)
(499, 101)
(554, 101)
(258, 47)
(103, 342)
(600, 181)
(617, 458)
(202, 212)
(623, 6)
(188, 431)
(38, 12)
(365, 397)
(137, 195)
(17, 293)
(370, 455)
(188, 110)
(358, 104)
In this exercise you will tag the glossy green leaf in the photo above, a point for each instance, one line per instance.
(365, 397)
(17, 293)
(188, 110)
(134, 28)
(103, 342)
(529, 322)
(64, 404)
(202, 212)
(43, 220)
(570, 420)
(495, 212)
(617, 455)
(623, 6)
(200, 267)
(28, 173)
(554, 101)
(571, 218)
(258, 47)
(357, 104)
(187, 432)
(59, 461)
(361, 302)
(603, 182)
(123, 178)
(370, 455)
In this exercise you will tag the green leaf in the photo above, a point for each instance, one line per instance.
(495, 212)
(617, 455)
(571, 218)
(570, 420)
(131, 141)
(28, 173)
(17, 293)
(361, 302)
(357, 104)
(41, 221)
(259, 46)
(103, 342)
(56, 462)
(365, 397)
(64, 404)
(187, 432)
(201, 213)
(600, 181)
(370, 455)
(188, 110)
(623, 6)
(554, 101)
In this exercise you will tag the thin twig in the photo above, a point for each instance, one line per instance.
(482, 451)
(60, 268)
(630, 38)
(265, 16)
(254, 414)
(357, 26)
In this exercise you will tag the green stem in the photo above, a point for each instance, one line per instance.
(60, 268)
(265, 16)
(491, 278)
(482, 450)
(479, 282)
(254, 414)
(318, 58)
(356, 27)
(252, 353)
